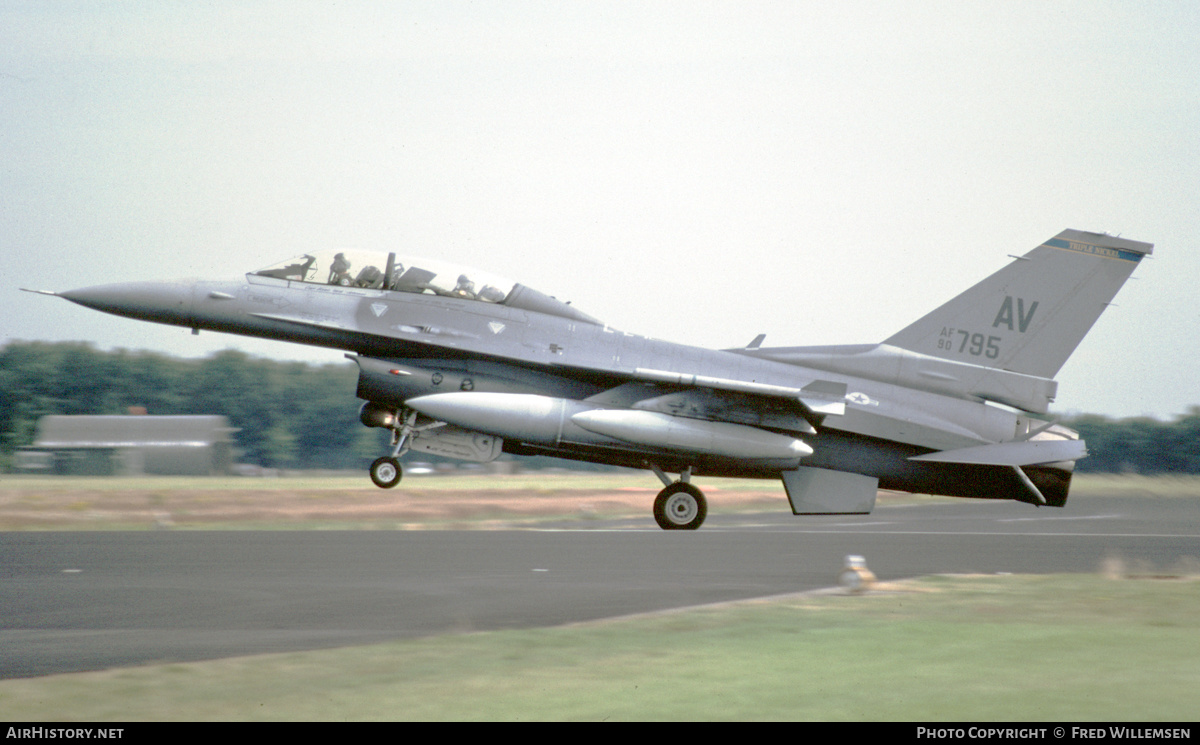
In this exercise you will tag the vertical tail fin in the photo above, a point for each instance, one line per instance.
(1029, 316)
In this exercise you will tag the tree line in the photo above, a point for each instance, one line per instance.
(287, 414)
(298, 415)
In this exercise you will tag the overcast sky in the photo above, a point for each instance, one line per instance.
(823, 172)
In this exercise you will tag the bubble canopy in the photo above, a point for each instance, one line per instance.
(388, 271)
(378, 270)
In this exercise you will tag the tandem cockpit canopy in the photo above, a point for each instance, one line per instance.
(377, 270)
(388, 271)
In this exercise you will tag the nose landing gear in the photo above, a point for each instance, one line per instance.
(386, 471)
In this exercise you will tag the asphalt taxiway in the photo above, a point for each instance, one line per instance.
(76, 601)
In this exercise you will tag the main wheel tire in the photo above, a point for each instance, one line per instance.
(680, 507)
(385, 472)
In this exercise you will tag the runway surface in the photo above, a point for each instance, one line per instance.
(86, 600)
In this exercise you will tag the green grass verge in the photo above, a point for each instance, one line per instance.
(1082, 485)
(522, 482)
(461, 501)
(1067, 647)
(1085, 485)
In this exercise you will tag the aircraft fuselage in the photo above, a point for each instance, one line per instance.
(412, 345)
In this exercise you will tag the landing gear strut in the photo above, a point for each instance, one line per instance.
(386, 471)
(679, 506)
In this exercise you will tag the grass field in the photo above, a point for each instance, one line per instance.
(462, 501)
(1045, 648)
(345, 502)
(1082, 648)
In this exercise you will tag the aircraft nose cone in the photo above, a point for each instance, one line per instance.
(164, 302)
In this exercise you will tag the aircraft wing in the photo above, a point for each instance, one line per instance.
(817, 399)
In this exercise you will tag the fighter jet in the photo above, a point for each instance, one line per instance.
(469, 365)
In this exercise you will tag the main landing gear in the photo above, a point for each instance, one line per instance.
(679, 506)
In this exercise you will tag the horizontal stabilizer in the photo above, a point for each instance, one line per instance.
(1028, 453)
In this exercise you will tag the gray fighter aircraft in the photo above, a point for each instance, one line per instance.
(469, 365)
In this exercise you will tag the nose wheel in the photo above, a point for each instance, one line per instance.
(680, 506)
(385, 472)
